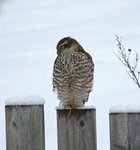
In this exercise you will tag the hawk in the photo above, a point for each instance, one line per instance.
(73, 73)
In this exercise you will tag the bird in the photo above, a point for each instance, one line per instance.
(73, 73)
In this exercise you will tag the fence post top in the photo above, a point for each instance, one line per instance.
(25, 100)
(79, 108)
(125, 109)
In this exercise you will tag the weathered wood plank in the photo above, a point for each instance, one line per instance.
(77, 132)
(25, 127)
(125, 131)
(119, 131)
(134, 131)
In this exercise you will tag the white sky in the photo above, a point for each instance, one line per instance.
(29, 32)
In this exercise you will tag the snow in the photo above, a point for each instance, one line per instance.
(29, 32)
(126, 109)
(26, 100)
(84, 107)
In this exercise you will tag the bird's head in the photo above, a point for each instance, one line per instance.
(66, 44)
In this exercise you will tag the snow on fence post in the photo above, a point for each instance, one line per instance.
(77, 131)
(125, 130)
(25, 125)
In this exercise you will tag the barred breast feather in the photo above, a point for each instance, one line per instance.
(73, 77)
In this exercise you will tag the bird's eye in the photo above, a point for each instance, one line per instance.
(62, 47)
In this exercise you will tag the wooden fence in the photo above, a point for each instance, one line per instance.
(125, 131)
(77, 131)
(25, 129)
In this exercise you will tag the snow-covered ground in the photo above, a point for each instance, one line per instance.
(29, 32)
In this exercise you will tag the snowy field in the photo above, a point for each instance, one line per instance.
(29, 32)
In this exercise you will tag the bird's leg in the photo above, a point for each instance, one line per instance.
(71, 107)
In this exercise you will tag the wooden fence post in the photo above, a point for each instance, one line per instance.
(125, 131)
(77, 132)
(25, 127)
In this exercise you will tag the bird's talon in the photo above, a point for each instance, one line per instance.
(71, 107)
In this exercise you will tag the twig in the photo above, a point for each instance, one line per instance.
(124, 57)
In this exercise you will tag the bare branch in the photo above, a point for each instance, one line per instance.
(124, 57)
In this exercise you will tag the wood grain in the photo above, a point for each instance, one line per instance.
(77, 132)
(25, 127)
(125, 131)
